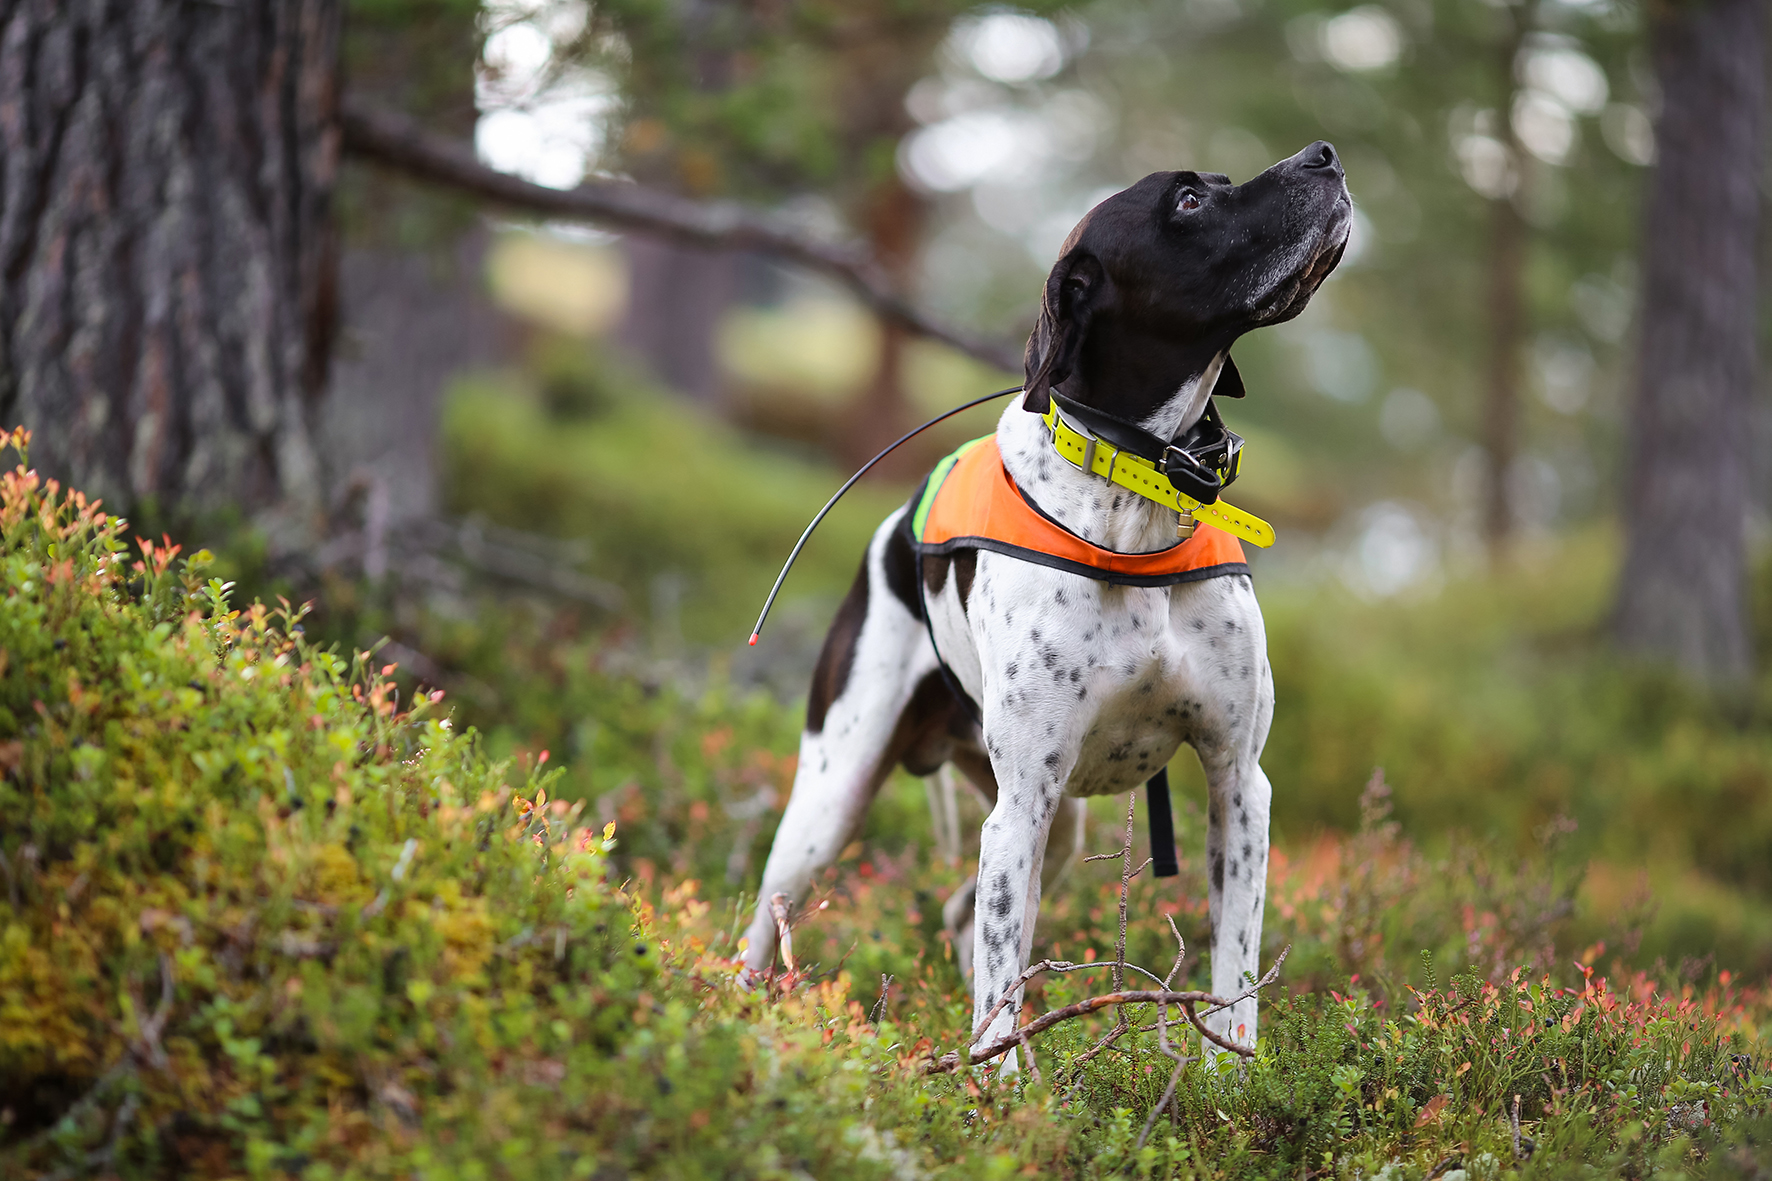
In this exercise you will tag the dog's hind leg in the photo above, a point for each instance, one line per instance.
(876, 660)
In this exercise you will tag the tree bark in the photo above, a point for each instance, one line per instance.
(1501, 404)
(1507, 323)
(166, 258)
(895, 220)
(1683, 596)
(677, 296)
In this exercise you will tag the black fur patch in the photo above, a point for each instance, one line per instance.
(837, 657)
(900, 562)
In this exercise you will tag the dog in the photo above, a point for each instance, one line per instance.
(1044, 686)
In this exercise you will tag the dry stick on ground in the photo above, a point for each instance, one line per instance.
(1027, 1050)
(1187, 1001)
(392, 139)
(880, 1005)
(1121, 1025)
(1033, 970)
(779, 905)
(1163, 1040)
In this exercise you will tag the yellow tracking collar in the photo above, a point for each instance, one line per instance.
(1135, 473)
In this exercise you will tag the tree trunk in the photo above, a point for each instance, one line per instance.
(1684, 592)
(895, 219)
(677, 296)
(1507, 324)
(1501, 405)
(166, 262)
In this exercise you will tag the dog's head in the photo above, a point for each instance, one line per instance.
(1157, 282)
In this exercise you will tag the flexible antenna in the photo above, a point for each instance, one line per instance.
(847, 485)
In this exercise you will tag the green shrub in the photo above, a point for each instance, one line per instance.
(259, 916)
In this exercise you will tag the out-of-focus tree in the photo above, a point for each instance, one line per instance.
(413, 309)
(166, 254)
(779, 103)
(1683, 594)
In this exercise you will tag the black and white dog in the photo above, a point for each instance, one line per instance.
(1086, 688)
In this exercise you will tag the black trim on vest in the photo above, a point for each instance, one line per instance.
(1222, 570)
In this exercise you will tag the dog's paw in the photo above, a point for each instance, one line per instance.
(748, 978)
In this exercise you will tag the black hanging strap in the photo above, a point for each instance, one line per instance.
(1156, 802)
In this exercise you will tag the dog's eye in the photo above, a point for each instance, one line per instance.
(1189, 202)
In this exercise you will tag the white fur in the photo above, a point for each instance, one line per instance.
(1086, 689)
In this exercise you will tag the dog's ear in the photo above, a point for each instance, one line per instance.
(1230, 382)
(1072, 292)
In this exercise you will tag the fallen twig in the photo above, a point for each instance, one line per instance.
(1033, 970)
(1163, 1040)
(1121, 1026)
(1094, 1004)
(1082, 1008)
(780, 906)
(879, 1009)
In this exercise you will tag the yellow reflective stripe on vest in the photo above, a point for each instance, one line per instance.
(1137, 474)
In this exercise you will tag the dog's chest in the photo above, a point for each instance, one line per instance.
(1117, 678)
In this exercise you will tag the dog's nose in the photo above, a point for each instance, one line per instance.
(1320, 155)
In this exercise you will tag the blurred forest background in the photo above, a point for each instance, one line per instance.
(275, 291)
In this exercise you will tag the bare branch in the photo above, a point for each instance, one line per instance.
(1163, 1039)
(1033, 970)
(1094, 1004)
(1081, 1008)
(392, 139)
(779, 907)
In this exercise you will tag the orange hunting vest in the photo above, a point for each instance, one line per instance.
(969, 502)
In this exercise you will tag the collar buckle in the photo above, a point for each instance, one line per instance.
(1189, 475)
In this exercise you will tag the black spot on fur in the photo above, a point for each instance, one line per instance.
(1000, 898)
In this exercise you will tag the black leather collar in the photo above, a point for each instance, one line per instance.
(1201, 461)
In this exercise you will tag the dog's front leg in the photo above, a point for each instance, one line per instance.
(1011, 852)
(1236, 859)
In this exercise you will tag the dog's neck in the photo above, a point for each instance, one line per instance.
(1101, 513)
